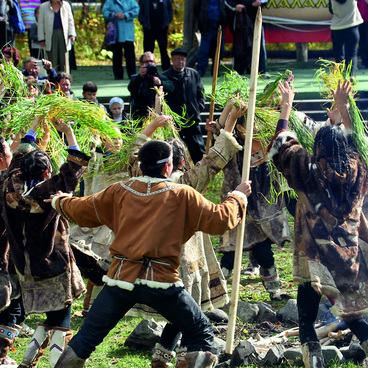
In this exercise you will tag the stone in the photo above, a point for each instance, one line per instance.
(220, 346)
(332, 355)
(145, 335)
(353, 352)
(247, 311)
(289, 313)
(243, 354)
(217, 316)
(274, 356)
(294, 356)
(266, 313)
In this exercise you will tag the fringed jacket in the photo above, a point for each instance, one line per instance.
(326, 249)
(38, 235)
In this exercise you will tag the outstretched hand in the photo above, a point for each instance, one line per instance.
(287, 94)
(341, 94)
(61, 126)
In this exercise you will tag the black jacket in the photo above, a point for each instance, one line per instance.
(143, 94)
(144, 13)
(201, 12)
(188, 91)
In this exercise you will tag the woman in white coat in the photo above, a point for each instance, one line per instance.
(56, 31)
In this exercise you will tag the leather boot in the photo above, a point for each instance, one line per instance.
(7, 338)
(195, 359)
(39, 343)
(181, 358)
(68, 359)
(59, 339)
(312, 354)
(271, 282)
(162, 357)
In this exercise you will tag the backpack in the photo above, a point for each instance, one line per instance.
(15, 18)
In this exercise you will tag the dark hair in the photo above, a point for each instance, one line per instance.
(2, 141)
(90, 87)
(331, 145)
(33, 166)
(12, 53)
(150, 153)
(179, 153)
(62, 75)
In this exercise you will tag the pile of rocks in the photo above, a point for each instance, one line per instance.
(267, 344)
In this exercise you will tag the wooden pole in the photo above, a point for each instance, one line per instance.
(216, 61)
(245, 176)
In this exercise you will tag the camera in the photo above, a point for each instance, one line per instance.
(151, 70)
(39, 63)
(41, 82)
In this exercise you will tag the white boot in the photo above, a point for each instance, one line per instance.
(68, 359)
(271, 282)
(36, 347)
(57, 345)
(312, 354)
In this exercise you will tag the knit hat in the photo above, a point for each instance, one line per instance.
(116, 100)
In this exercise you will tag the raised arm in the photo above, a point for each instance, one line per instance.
(287, 95)
(341, 96)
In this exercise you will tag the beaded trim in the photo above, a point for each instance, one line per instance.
(149, 193)
(8, 333)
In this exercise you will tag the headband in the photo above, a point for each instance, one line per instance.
(164, 160)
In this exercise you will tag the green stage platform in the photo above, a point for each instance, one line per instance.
(305, 82)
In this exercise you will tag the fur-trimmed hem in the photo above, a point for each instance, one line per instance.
(277, 141)
(231, 138)
(148, 179)
(349, 315)
(239, 194)
(129, 286)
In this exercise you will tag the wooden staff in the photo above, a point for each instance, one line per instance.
(245, 176)
(216, 61)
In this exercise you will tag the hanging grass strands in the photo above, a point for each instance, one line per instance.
(232, 85)
(12, 84)
(304, 135)
(328, 77)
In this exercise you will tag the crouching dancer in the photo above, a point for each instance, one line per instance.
(151, 217)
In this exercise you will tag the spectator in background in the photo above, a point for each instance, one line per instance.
(116, 107)
(210, 14)
(188, 92)
(124, 12)
(141, 86)
(245, 12)
(363, 34)
(28, 8)
(31, 69)
(33, 35)
(345, 31)
(63, 83)
(56, 31)
(90, 93)
(155, 17)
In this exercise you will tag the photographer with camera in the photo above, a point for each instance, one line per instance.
(141, 86)
(31, 69)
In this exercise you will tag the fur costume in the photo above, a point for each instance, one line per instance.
(38, 235)
(326, 249)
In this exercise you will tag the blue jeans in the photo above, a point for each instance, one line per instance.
(308, 301)
(175, 304)
(345, 46)
(204, 48)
